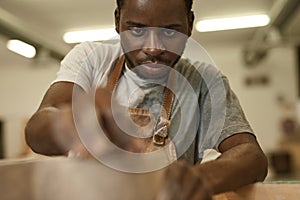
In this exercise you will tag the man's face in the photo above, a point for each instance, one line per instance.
(153, 34)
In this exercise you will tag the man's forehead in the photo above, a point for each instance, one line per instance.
(155, 13)
(146, 3)
(142, 2)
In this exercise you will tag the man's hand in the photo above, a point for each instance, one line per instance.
(242, 162)
(184, 182)
(88, 126)
(69, 140)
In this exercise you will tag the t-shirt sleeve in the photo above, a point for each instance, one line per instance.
(221, 113)
(235, 119)
(77, 66)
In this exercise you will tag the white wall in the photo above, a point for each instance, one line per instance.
(21, 89)
(260, 102)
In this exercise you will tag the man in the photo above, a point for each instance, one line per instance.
(139, 22)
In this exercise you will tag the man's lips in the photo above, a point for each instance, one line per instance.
(149, 68)
(152, 67)
(154, 64)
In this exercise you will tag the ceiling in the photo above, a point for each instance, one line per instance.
(45, 21)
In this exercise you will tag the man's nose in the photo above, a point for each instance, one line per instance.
(153, 45)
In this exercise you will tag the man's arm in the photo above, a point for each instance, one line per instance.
(50, 131)
(242, 162)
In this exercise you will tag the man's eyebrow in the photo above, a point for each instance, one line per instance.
(136, 24)
(131, 23)
(170, 26)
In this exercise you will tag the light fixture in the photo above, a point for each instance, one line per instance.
(90, 35)
(21, 48)
(232, 23)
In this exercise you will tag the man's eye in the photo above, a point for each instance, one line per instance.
(169, 33)
(138, 31)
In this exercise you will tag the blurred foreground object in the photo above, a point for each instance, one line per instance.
(61, 178)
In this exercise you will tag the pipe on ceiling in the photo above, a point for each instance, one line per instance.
(267, 37)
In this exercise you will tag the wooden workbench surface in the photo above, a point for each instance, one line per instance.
(61, 179)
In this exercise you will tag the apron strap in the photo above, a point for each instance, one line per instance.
(161, 131)
(116, 74)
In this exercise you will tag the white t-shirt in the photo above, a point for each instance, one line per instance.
(205, 110)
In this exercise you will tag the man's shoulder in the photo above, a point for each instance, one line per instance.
(189, 68)
(99, 47)
(198, 72)
(93, 52)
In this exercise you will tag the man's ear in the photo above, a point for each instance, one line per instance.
(191, 18)
(117, 20)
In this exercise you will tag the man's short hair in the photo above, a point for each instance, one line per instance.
(188, 4)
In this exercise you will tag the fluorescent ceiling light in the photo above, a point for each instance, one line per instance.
(90, 35)
(232, 23)
(21, 48)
